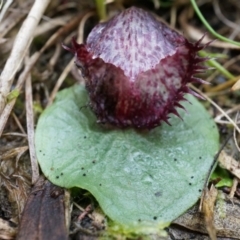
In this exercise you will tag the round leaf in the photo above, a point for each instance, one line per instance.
(136, 176)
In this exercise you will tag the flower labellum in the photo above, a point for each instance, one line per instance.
(137, 69)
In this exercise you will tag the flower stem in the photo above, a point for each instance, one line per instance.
(101, 9)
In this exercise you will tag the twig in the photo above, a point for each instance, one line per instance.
(52, 24)
(22, 150)
(62, 31)
(13, 18)
(86, 211)
(20, 47)
(223, 122)
(196, 34)
(71, 63)
(234, 133)
(210, 29)
(223, 112)
(19, 123)
(228, 112)
(213, 165)
(173, 16)
(60, 80)
(233, 188)
(219, 14)
(5, 8)
(8, 108)
(33, 59)
(15, 134)
(218, 107)
(68, 208)
(30, 129)
(55, 56)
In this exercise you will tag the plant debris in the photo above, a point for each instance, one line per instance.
(33, 63)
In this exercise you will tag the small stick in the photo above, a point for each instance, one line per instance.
(8, 108)
(233, 188)
(234, 134)
(13, 18)
(20, 48)
(218, 108)
(214, 164)
(18, 123)
(30, 129)
(63, 30)
(60, 80)
(86, 211)
(33, 59)
(71, 63)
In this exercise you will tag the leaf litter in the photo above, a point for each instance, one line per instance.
(16, 182)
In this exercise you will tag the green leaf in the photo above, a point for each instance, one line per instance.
(138, 177)
(225, 179)
(12, 95)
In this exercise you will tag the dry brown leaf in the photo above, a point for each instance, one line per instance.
(30, 129)
(43, 216)
(52, 24)
(7, 229)
(14, 152)
(208, 204)
(177, 233)
(233, 188)
(226, 218)
(230, 164)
